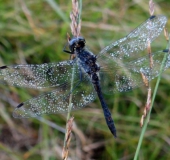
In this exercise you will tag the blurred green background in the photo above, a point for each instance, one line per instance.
(34, 32)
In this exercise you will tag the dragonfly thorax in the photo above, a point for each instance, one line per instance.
(76, 43)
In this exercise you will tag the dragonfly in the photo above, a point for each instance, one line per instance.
(116, 68)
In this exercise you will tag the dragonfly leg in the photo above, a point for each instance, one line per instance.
(66, 51)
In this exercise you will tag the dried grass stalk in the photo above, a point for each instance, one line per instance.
(67, 138)
(147, 83)
(151, 7)
(75, 29)
(166, 34)
(75, 19)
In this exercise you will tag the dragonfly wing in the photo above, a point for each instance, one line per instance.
(127, 48)
(133, 74)
(37, 76)
(57, 101)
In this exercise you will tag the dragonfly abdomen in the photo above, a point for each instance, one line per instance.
(106, 111)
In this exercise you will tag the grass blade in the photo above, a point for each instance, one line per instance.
(152, 102)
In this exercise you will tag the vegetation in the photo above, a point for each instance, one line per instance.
(35, 32)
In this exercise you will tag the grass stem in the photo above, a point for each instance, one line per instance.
(152, 102)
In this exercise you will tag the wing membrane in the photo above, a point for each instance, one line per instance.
(57, 101)
(129, 75)
(127, 48)
(37, 76)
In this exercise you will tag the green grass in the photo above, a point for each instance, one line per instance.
(41, 40)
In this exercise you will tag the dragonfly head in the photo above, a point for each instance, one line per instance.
(76, 43)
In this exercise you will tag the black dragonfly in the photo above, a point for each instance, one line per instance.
(117, 68)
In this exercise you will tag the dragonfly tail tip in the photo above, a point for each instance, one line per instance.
(115, 135)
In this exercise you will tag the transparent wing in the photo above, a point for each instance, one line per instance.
(37, 76)
(126, 49)
(57, 101)
(128, 76)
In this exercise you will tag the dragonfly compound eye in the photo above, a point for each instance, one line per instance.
(76, 42)
(81, 42)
